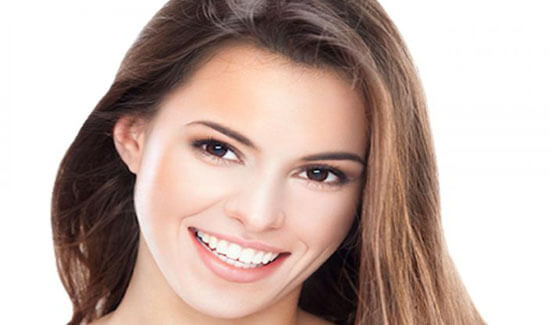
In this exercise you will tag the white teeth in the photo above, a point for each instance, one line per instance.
(258, 258)
(223, 258)
(246, 255)
(234, 254)
(213, 242)
(205, 238)
(222, 247)
(266, 258)
(269, 257)
(233, 251)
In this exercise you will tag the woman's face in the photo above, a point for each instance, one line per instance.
(262, 156)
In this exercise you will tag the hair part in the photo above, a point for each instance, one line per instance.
(393, 267)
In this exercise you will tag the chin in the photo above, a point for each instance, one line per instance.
(223, 309)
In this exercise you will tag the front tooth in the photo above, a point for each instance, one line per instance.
(221, 247)
(258, 258)
(266, 258)
(233, 251)
(213, 242)
(246, 255)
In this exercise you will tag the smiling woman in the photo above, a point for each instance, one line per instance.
(225, 184)
(258, 161)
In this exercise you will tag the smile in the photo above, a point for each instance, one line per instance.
(236, 262)
(234, 254)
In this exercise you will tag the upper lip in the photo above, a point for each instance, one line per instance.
(243, 242)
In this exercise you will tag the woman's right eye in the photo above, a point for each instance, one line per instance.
(216, 150)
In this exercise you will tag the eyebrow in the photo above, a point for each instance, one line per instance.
(336, 155)
(227, 131)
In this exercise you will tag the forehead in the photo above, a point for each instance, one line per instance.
(267, 96)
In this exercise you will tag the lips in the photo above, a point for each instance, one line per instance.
(234, 262)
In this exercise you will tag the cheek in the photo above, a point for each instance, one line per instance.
(322, 219)
(171, 186)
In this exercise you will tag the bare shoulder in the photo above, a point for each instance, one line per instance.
(306, 318)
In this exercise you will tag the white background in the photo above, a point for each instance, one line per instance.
(485, 69)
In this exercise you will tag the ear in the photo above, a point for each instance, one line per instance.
(129, 138)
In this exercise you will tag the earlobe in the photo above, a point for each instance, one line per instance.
(128, 137)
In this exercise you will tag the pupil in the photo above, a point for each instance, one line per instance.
(317, 174)
(216, 149)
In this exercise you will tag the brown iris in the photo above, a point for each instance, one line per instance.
(317, 174)
(216, 149)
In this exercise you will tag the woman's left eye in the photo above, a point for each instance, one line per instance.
(217, 150)
(324, 176)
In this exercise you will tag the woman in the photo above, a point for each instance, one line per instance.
(258, 161)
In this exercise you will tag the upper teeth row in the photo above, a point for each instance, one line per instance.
(236, 252)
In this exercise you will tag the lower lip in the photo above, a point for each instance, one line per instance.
(232, 273)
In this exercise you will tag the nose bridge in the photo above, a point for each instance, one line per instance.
(257, 202)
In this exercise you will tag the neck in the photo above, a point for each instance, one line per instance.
(150, 300)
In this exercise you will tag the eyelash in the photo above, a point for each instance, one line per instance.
(342, 178)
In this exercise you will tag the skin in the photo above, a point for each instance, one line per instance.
(264, 193)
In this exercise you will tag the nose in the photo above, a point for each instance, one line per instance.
(257, 204)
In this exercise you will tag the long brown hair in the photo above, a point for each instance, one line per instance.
(393, 267)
